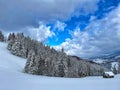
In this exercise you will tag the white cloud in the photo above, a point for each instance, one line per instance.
(41, 33)
(86, 7)
(59, 26)
(100, 37)
(21, 13)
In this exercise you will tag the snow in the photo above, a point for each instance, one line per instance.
(12, 78)
(9, 61)
(99, 61)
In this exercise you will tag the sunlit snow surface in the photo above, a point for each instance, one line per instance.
(12, 78)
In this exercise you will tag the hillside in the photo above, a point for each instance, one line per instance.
(45, 60)
(110, 63)
(9, 61)
(12, 78)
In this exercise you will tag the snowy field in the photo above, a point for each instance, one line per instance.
(12, 78)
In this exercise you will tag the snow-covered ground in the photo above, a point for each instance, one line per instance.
(12, 78)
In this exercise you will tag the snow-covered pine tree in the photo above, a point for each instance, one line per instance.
(11, 37)
(114, 69)
(43, 60)
(119, 67)
(1, 36)
(11, 40)
(30, 66)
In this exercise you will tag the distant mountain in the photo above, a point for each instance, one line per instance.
(111, 61)
(111, 57)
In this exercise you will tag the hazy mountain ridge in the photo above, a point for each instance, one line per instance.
(114, 56)
(112, 61)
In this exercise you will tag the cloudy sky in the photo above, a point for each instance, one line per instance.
(86, 28)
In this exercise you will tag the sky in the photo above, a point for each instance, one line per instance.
(86, 28)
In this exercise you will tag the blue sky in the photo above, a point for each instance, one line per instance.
(104, 7)
(86, 28)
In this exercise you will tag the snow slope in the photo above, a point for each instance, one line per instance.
(99, 61)
(12, 78)
(9, 61)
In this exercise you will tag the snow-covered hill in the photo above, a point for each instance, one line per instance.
(12, 78)
(111, 63)
(9, 61)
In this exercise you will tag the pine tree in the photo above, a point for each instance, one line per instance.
(11, 40)
(114, 69)
(119, 67)
(62, 50)
(11, 37)
(61, 69)
(30, 66)
(1, 37)
(16, 48)
(43, 60)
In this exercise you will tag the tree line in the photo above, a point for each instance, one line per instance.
(45, 60)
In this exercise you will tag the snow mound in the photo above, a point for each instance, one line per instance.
(12, 78)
